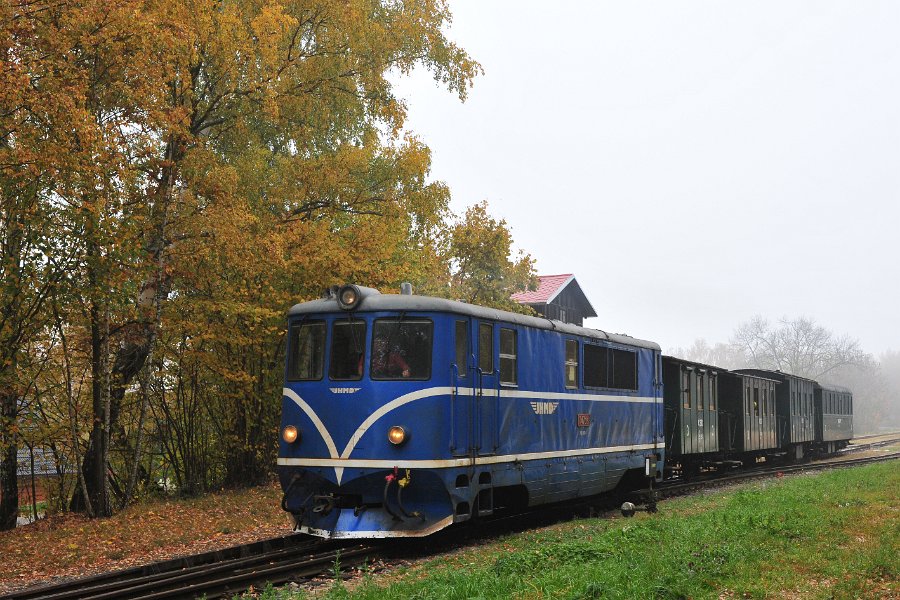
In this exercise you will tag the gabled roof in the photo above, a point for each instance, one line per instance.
(551, 286)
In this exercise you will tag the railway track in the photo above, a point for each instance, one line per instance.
(233, 570)
(861, 443)
(212, 575)
(678, 488)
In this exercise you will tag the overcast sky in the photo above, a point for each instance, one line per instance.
(692, 163)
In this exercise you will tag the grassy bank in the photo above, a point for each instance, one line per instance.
(827, 535)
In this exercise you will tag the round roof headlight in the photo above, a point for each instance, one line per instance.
(396, 435)
(348, 297)
(290, 434)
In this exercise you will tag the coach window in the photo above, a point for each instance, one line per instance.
(624, 369)
(307, 351)
(508, 354)
(462, 347)
(701, 390)
(755, 401)
(747, 401)
(571, 364)
(348, 343)
(486, 347)
(686, 387)
(401, 349)
(596, 363)
(713, 392)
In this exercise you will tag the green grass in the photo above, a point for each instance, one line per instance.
(832, 535)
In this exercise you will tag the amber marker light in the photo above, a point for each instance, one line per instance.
(396, 435)
(290, 434)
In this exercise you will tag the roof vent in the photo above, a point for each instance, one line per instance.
(406, 288)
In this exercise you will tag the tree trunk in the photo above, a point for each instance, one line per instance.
(9, 483)
(95, 471)
(128, 362)
(136, 340)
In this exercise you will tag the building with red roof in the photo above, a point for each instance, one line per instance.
(558, 297)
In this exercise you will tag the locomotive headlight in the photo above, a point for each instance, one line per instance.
(290, 434)
(396, 435)
(348, 297)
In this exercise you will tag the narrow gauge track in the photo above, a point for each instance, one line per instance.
(233, 570)
(678, 488)
(213, 574)
(859, 444)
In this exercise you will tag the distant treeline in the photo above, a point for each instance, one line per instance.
(802, 347)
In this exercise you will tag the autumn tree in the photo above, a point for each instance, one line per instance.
(484, 270)
(291, 176)
(46, 147)
(205, 166)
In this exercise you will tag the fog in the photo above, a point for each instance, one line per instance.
(694, 164)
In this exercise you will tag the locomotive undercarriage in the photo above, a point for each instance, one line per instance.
(375, 503)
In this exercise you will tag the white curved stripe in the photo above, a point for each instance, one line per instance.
(345, 463)
(320, 426)
(386, 408)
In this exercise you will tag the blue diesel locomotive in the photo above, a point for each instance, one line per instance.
(403, 414)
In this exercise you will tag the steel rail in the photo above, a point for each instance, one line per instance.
(211, 579)
(678, 487)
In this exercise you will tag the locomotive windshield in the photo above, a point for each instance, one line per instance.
(401, 349)
(348, 346)
(307, 351)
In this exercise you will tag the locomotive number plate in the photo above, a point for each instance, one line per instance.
(584, 420)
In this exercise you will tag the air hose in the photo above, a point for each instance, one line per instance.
(389, 479)
(402, 483)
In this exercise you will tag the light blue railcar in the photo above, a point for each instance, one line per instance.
(403, 414)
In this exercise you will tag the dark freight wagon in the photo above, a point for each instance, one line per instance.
(691, 399)
(747, 420)
(834, 416)
(794, 408)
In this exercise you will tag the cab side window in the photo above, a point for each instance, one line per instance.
(508, 357)
(571, 364)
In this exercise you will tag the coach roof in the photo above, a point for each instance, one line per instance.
(402, 302)
(834, 388)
